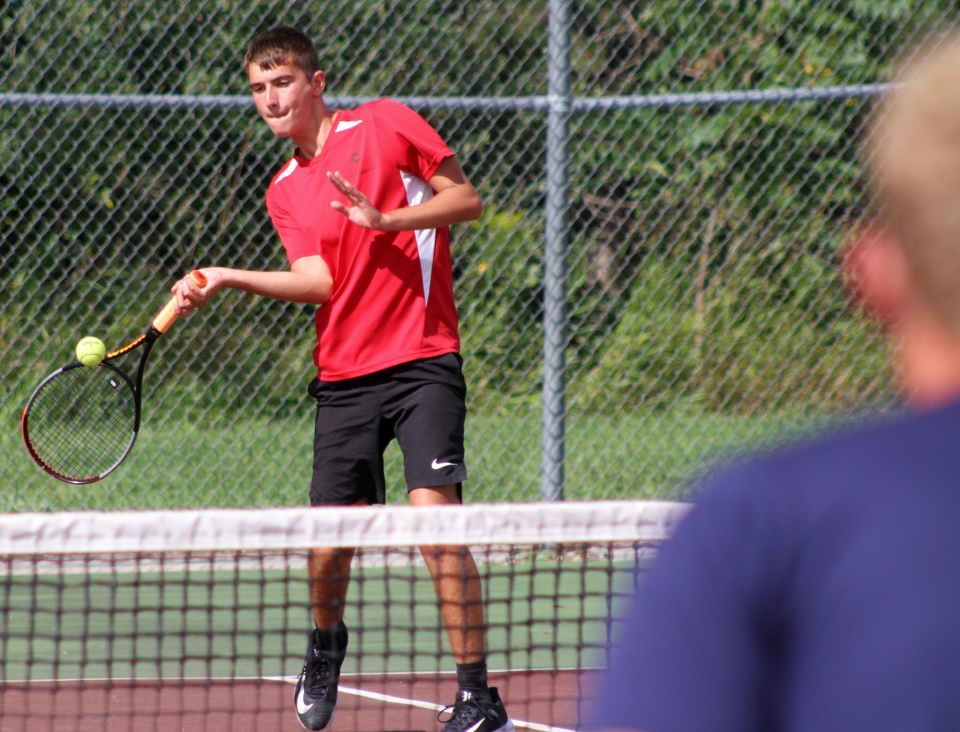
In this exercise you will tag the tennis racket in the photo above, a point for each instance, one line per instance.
(82, 421)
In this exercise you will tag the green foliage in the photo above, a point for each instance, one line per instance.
(499, 263)
(674, 345)
(704, 241)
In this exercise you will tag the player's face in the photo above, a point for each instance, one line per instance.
(284, 97)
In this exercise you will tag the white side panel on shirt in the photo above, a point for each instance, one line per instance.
(288, 171)
(347, 125)
(418, 191)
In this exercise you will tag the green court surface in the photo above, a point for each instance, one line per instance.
(251, 621)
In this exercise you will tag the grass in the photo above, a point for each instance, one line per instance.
(235, 459)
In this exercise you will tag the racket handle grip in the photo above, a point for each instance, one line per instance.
(166, 317)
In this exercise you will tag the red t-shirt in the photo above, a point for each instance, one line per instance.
(392, 298)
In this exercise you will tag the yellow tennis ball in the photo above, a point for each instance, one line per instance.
(90, 351)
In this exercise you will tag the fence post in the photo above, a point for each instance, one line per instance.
(555, 252)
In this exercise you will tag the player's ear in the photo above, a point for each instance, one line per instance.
(319, 82)
(877, 272)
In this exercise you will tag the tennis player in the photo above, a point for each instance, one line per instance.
(818, 588)
(362, 209)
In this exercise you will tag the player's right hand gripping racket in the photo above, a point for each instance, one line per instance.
(82, 421)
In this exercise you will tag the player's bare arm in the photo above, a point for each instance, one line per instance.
(455, 200)
(308, 281)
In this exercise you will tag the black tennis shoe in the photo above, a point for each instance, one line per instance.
(316, 693)
(477, 711)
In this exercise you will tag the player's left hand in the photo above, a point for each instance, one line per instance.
(360, 211)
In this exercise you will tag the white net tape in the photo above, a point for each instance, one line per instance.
(303, 528)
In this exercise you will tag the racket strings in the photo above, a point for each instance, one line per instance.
(81, 421)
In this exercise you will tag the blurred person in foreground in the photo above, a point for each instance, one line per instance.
(819, 588)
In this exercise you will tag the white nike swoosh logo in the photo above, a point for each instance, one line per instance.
(302, 708)
(475, 727)
(347, 125)
(436, 466)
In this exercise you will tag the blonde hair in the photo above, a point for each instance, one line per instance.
(913, 153)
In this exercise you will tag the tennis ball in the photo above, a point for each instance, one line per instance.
(90, 351)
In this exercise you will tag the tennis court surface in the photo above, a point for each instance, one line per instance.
(198, 620)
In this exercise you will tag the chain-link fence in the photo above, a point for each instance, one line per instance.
(704, 303)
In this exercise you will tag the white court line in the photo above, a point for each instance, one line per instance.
(428, 705)
(393, 699)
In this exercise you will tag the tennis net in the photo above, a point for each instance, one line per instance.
(198, 620)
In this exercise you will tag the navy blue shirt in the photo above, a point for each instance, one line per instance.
(812, 590)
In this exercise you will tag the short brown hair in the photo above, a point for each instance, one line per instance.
(283, 45)
(913, 153)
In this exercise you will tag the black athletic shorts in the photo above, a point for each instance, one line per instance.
(421, 404)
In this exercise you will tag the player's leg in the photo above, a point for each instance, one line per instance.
(457, 584)
(478, 707)
(316, 694)
(347, 470)
(428, 421)
(329, 573)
